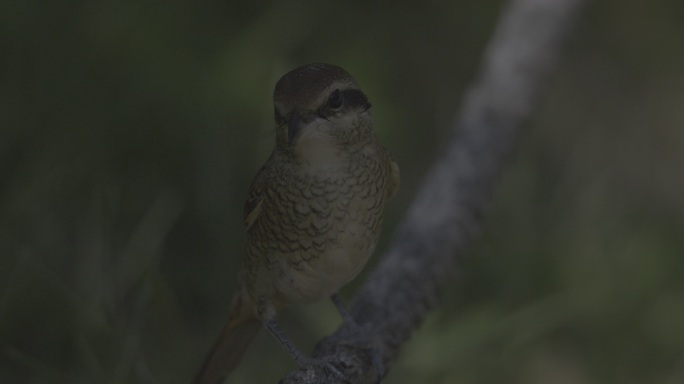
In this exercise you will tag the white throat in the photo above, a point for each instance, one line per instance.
(319, 151)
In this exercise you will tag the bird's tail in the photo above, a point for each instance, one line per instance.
(231, 344)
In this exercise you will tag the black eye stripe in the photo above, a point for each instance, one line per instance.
(355, 98)
(352, 99)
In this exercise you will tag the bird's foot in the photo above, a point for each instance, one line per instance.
(304, 362)
(360, 338)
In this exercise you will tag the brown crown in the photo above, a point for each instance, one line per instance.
(303, 85)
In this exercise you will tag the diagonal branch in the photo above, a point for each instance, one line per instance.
(447, 213)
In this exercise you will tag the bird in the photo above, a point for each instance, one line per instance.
(314, 211)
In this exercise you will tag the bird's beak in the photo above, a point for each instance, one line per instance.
(293, 127)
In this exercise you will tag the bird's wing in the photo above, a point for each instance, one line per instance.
(255, 199)
(393, 179)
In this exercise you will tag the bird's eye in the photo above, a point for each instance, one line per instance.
(335, 101)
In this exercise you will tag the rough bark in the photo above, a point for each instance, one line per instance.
(447, 213)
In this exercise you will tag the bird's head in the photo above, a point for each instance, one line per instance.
(320, 105)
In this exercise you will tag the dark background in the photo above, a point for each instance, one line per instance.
(130, 130)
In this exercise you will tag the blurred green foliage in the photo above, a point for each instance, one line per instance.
(129, 131)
